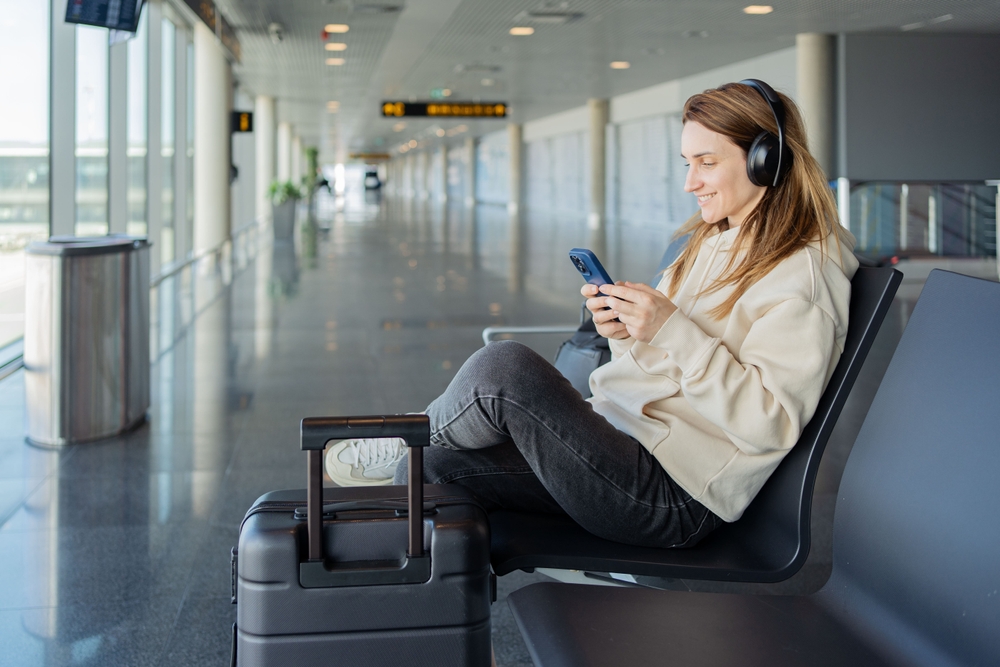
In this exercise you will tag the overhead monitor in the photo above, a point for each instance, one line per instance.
(445, 109)
(114, 14)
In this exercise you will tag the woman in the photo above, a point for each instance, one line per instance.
(714, 373)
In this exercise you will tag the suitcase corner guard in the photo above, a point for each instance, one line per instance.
(411, 570)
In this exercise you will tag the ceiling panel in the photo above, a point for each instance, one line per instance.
(457, 44)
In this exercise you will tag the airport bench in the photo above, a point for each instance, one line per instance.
(916, 545)
(769, 543)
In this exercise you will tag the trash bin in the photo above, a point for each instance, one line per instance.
(86, 337)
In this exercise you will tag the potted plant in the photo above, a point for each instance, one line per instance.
(284, 196)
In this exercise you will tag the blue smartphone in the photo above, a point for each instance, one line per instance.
(590, 267)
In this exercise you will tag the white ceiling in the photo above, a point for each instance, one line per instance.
(455, 44)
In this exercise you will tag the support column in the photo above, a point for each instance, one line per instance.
(118, 138)
(154, 133)
(263, 122)
(515, 136)
(295, 173)
(62, 122)
(470, 171)
(284, 151)
(411, 177)
(444, 173)
(515, 223)
(817, 57)
(183, 238)
(213, 95)
(598, 156)
(423, 174)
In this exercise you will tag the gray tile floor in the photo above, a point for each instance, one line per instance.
(117, 552)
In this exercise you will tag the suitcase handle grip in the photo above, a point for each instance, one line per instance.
(415, 430)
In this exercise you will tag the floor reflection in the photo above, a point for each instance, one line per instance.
(117, 552)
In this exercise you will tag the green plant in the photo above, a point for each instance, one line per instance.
(281, 191)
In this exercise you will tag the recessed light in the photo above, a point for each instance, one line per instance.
(621, 64)
(440, 132)
(522, 30)
(337, 27)
(399, 127)
(486, 82)
(332, 106)
(334, 61)
(336, 46)
(413, 143)
(758, 9)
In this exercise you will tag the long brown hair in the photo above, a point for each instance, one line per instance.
(798, 211)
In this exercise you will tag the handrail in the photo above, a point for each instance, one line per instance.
(11, 363)
(176, 267)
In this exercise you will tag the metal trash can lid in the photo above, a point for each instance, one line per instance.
(65, 246)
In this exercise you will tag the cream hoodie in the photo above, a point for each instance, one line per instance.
(720, 402)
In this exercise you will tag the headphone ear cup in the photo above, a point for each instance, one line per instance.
(762, 159)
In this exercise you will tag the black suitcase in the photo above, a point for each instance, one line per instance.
(355, 584)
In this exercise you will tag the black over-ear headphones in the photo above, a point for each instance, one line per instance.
(768, 158)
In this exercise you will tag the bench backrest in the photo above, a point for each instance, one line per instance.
(916, 542)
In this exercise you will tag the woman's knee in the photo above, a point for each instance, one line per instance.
(505, 361)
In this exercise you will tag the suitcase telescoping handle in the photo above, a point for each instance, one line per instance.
(316, 432)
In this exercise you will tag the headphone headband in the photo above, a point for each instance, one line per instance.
(778, 110)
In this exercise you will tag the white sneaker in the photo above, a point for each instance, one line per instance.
(367, 462)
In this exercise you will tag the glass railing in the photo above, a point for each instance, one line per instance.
(956, 219)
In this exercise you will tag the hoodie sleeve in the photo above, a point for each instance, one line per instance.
(763, 399)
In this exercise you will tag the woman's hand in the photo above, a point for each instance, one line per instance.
(641, 309)
(604, 318)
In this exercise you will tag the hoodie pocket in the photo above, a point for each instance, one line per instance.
(625, 383)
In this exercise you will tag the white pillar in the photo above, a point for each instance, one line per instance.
(118, 138)
(62, 122)
(295, 173)
(514, 140)
(444, 173)
(263, 128)
(213, 103)
(470, 171)
(154, 133)
(411, 178)
(423, 174)
(183, 193)
(598, 155)
(284, 151)
(816, 55)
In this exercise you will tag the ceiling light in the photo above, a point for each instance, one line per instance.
(553, 16)
(336, 27)
(332, 106)
(413, 143)
(924, 24)
(399, 127)
(522, 30)
(440, 132)
(334, 61)
(758, 9)
(336, 46)
(621, 64)
(486, 82)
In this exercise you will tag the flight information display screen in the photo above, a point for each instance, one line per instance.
(114, 14)
(445, 109)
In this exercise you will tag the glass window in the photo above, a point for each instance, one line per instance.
(91, 131)
(138, 98)
(167, 125)
(24, 149)
(190, 150)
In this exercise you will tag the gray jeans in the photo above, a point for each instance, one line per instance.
(512, 429)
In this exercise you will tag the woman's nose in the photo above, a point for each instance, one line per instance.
(691, 181)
